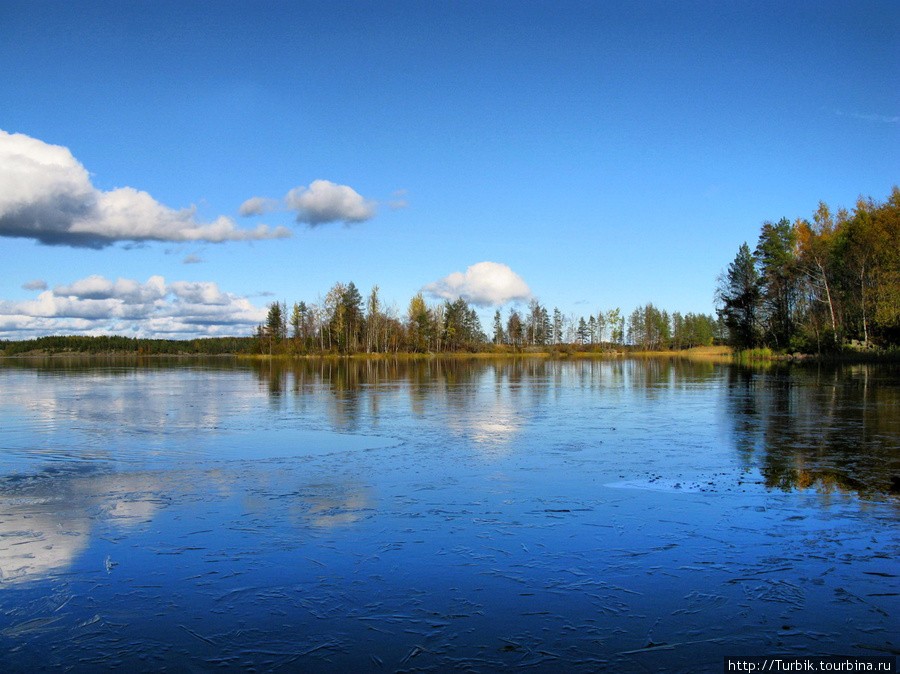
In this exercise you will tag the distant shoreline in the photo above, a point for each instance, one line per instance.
(564, 352)
(400, 355)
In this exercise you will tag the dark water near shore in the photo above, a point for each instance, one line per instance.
(333, 516)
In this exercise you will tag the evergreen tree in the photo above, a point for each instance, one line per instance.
(276, 327)
(738, 295)
(557, 326)
(582, 331)
(545, 329)
(419, 324)
(499, 334)
(353, 317)
(297, 317)
(514, 329)
(637, 326)
(778, 281)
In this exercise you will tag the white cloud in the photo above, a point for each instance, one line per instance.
(100, 288)
(37, 284)
(97, 305)
(192, 259)
(483, 284)
(259, 205)
(321, 203)
(47, 195)
(324, 201)
(204, 292)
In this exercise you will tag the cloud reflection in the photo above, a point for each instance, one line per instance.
(47, 517)
(333, 505)
(36, 542)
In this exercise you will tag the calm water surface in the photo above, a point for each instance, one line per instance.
(639, 515)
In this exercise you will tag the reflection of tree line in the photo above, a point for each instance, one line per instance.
(355, 387)
(831, 428)
(114, 364)
(828, 428)
(421, 376)
(356, 391)
(108, 398)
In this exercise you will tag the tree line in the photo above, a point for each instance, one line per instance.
(817, 285)
(344, 322)
(119, 344)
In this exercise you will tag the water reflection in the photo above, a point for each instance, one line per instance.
(50, 518)
(815, 427)
(802, 427)
(47, 517)
(333, 515)
(330, 505)
(819, 427)
(81, 413)
(34, 543)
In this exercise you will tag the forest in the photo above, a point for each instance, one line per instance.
(817, 285)
(345, 323)
(101, 345)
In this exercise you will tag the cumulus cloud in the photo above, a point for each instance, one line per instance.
(483, 284)
(37, 284)
(96, 305)
(204, 292)
(324, 201)
(97, 287)
(321, 203)
(47, 195)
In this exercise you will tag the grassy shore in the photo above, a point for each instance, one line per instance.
(244, 348)
(557, 352)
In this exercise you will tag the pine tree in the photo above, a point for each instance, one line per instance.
(778, 280)
(499, 336)
(739, 295)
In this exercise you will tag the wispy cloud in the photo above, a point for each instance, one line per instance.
(398, 200)
(37, 284)
(259, 206)
(96, 305)
(47, 195)
(483, 284)
(870, 117)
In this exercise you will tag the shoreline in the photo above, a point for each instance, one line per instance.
(723, 354)
(562, 352)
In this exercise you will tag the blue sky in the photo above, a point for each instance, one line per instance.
(599, 154)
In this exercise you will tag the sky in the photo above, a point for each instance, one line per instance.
(168, 169)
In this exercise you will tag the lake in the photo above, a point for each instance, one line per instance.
(444, 515)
